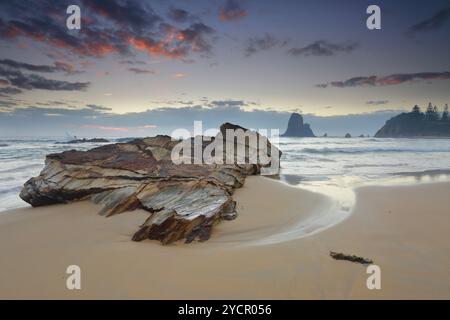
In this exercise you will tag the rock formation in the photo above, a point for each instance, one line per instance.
(296, 127)
(348, 135)
(185, 200)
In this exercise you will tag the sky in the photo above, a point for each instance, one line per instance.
(140, 68)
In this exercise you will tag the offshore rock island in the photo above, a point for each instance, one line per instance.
(185, 200)
(296, 127)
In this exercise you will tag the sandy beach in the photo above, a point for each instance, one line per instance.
(404, 230)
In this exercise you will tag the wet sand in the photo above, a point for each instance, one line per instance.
(404, 230)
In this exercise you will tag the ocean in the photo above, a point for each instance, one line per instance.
(334, 166)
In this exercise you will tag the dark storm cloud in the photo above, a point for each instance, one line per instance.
(257, 44)
(180, 15)
(232, 11)
(108, 27)
(377, 102)
(33, 81)
(141, 71)
(58, 66)
(135, 14)
(387, 80)
(195, 35)
(437, 21)
(323, 48)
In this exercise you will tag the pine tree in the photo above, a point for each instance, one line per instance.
(435, 113)
(416, 109)
(445, 113)
(429, 114)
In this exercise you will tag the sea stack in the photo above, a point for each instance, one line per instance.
(296, 127)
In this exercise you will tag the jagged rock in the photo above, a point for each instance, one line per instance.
(351, 258)
(296, 127)
(185, 200)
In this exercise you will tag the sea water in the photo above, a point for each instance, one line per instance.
(334, 166)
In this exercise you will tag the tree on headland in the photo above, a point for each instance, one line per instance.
(432, 113)
(416, 113)
(416, 109)
(445, 113)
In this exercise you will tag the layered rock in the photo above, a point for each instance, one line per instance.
(296, 127)
(185, 200)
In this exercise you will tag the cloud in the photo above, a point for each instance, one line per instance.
(258, 44)
(109, 27)
(9, 91)
(323, 48)
(7, 104)
(232, 11)
(228, 103)
(174, 102)
(392, 79)
(436, 22)
(136, 15)
(58, 66)
(98, 108)
(180, 75)
(133, 62)
(180, 15)
(33, 81)
(178, 42)
(141, 71)
(377, 102)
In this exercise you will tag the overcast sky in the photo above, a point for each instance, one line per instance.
(145, 67)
